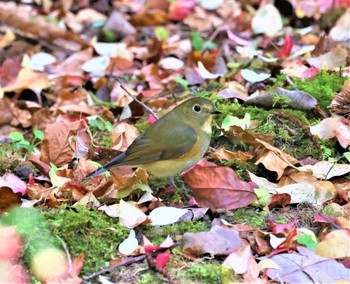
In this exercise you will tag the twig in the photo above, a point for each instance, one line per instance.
(67, 253)
(109, 269)
(216, 32)
(137, 100)
(289, 81)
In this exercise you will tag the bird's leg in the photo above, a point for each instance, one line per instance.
(172, 181)
(183, 189)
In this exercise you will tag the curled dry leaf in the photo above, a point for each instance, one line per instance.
(219, 188)
(333, 127)
(224, 154)
(123, 135)
(273, 158)
(242, 261)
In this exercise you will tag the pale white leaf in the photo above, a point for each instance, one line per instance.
(171, 63)
(130, 216)
(96, 65)
(267, 20)
(204, 73)
(166, 215)
(128, 246)
(253, 77)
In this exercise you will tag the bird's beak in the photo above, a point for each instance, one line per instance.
(215, 112)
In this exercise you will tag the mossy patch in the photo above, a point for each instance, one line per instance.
(208, 273)
(159, 233)
(323, 87)
(88, 231)
(256, 218)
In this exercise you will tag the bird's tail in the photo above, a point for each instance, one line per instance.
(115, 161)
(95, 173)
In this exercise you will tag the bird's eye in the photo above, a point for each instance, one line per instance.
(197, 108)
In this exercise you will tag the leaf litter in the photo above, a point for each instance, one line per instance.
(72, 77)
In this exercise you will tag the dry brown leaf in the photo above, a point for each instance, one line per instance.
(72, 64)
(6, 115)
(9, 199)
(224, 154)
(28, 79)
(273, 159)
(149, 17)
(123, 135)
(27, 21)
(55, 146)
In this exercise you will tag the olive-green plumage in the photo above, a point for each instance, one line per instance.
(174, 143)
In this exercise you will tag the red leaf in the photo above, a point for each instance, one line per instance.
(286, 48)
(219, 188)
(180, 9)
(162, 259)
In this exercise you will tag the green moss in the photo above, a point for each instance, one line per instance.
(240, 167)
(323, 87)
(151, 278)
(142, 125)
(103, 139)
(88, 231)
(158, 234)
(289, 137)
(256, 218)
(208, 273)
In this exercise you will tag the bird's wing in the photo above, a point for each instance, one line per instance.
(145, 150)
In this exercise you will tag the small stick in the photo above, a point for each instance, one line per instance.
(137, 100)
(109, 269)
(67, 253)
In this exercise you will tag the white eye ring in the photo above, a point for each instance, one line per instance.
(197, 108)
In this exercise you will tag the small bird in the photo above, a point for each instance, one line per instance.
(174, 143)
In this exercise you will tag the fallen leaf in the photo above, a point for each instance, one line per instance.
(335, 244)
(219, 188)
(340, 31)
(267, 20)
(218, 241)
(335, 58)
(162, 259)
(333, 127)
(55, 147)
(123, 135)
(14, 182)
(286, 48)
(306, 267)
(166, 215)
(254, 77)
(8, 198)
(273, 158)
(296, 100)
(242, 259)
(127, 246)
(180, 9)
(224, 154)
(327, 170)
(129, 215)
